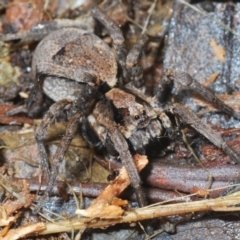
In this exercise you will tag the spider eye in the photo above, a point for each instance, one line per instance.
(136, 117)
(143, 112)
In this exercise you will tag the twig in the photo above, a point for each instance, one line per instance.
(150, 11)
(185, 178)
(228, 203)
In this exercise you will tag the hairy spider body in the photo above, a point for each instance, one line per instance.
(75, 54)
(69, 66)
(72, 62)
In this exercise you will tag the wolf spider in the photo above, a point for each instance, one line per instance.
(73, 67)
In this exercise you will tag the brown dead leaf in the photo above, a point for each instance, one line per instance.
(102, 203)
(218, 50)
(24, 201)
(20, 196)
(119, 202)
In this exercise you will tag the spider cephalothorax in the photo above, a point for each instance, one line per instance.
(136, 113)
(70, 66)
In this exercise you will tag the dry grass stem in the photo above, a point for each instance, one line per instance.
(134, 215)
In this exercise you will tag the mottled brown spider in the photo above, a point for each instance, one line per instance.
(73, 67)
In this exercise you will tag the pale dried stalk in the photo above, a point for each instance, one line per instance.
(23, 231)
(219, 204)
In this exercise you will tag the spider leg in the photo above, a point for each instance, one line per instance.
(59, 155)
(185, 80)
(77, 74)
(121, 146)
(105, 117)
(35, 100)
(117, 37)
(190, 118)
(42, 128)
(135, 71)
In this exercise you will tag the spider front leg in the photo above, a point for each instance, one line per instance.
(186, 81)
(42, 128)
(190, 118)
(135, 71)
(104, 115)
(121, 146)
(59, 155)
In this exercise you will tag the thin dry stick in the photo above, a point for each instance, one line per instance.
(150, 11)
(227, 203)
